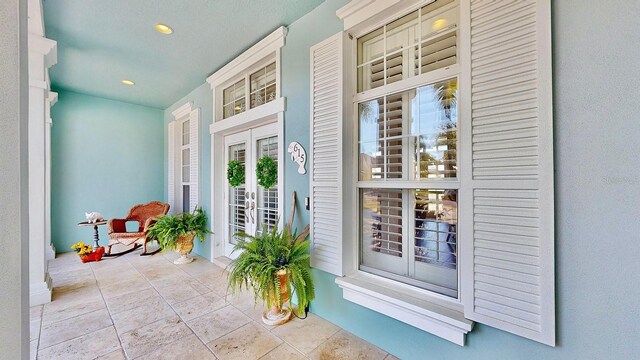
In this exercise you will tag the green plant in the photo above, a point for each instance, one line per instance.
(167, 229)
(235, 173)
(267, 172)
(263, 256)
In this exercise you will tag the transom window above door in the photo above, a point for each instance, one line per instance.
(238, 97)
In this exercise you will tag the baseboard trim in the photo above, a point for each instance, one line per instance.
(40, 293)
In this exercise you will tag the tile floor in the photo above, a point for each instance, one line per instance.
(135, 307)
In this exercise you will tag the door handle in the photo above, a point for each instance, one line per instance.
(253, 206)
(246, 211)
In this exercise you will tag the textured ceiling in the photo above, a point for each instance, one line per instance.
(102, 42)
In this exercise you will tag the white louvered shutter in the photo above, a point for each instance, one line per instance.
(171, 164)
(326, 154)
(194, 150)
(510, 264)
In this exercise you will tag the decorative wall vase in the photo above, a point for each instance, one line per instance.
(299, 156)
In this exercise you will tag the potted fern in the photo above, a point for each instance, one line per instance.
(178, 232)
(274, 264)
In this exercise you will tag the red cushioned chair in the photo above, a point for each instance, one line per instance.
(145, 215)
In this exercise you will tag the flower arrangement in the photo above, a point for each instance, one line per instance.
(82, 248)
(87, 253)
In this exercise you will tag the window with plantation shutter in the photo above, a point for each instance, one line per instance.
(326, 155)
(183, 159)
(455, 165)
(510, 272)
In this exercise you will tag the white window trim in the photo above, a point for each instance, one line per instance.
(422, 309)
(263, 53)
(437, 314)
(258, 56)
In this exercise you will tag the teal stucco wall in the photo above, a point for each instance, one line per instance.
(106, 156)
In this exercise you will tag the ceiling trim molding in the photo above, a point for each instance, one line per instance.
(183, 110)
(358, 13)
(257, 52)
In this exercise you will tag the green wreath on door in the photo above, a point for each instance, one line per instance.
(267, 172)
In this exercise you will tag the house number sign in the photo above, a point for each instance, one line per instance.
(299, 156)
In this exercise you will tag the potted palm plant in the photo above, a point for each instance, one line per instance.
(177, 232)
(274, 264)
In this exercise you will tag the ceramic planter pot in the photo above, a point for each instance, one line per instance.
(184, 245)
(278, 314)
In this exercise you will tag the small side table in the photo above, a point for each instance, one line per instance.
(95, 230)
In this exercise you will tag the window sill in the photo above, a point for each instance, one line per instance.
(447, 322)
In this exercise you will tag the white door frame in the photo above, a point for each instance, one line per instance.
(250, 138)
(218, 132)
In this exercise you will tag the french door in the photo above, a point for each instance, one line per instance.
(249, 207)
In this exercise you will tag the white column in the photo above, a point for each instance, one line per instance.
(14, 241)
(50, 250)
(42, 55)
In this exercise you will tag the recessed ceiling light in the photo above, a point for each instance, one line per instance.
(439, 24)
(164, 29)
(128, 82)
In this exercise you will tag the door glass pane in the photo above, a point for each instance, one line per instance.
(381, 230)
(238, 198)
(186, 200)
(267, 201)
(435, 241)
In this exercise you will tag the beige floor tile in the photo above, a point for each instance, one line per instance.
(73, 279)
(148, 313)
(178, 293)
(71, 262)
(215, 280)
(150, 337)
(172, 279)
(61, 331)
(218, 323)
(64, 296)
(34, 329)
(199, 265)
(89, 346)
(344, 345)
(131, 300)
(246, 343)
(133, 284)
(200, 287)
(198, 306)
(305, 335)
(114, 355)
(35, 312)
(59, 310)
(284, 352)
(187, 348)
